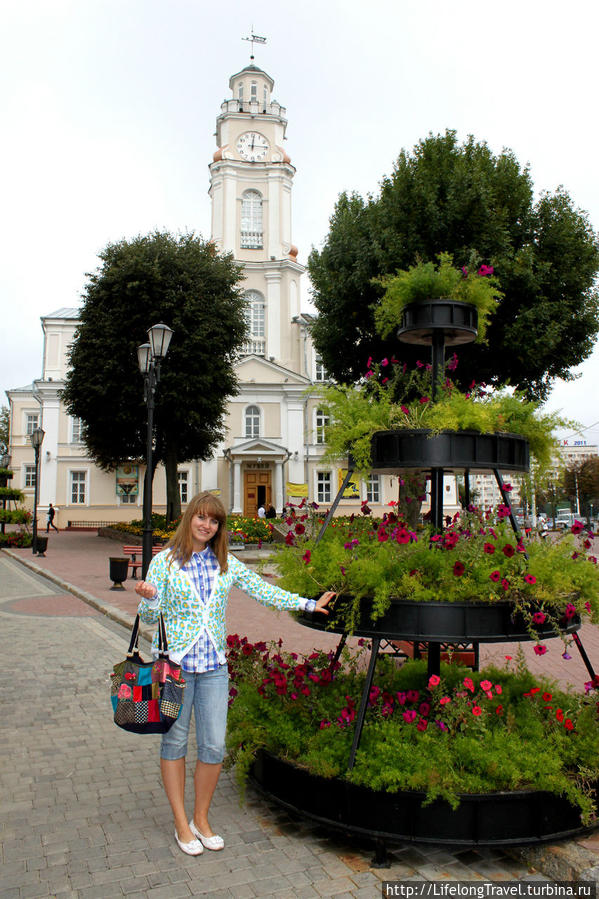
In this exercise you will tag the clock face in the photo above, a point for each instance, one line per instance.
(252, 146)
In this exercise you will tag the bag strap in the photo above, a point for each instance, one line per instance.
(162, 641)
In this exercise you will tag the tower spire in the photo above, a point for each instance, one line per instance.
(254, 39)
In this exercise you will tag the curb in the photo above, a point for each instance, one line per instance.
(558, 861)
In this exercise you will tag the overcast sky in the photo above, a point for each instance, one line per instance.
(108, 112)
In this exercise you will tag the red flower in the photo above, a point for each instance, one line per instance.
(459, 569)
(568, 724)
(489, 549)
(422, 724)
(299, 528)
(577, 527)
(540, 650)
(289, 539)
(476, 710)
(530, 579)
(508, 550)
(505, 584)
(539, 617)
(307, 556)
(499, 710)
(495, 576)
(559, 715)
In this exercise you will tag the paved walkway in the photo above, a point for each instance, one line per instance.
(83, 812)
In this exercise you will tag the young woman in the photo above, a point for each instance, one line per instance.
(190, 584)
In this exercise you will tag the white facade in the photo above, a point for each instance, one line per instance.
(274, 446)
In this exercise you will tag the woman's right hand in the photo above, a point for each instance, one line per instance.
(145, 589)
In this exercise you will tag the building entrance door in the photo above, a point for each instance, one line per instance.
(257, 492)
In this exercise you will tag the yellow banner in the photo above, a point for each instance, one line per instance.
(296, 489)
(352, 491)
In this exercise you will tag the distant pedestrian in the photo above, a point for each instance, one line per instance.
(261, 511)
(189, 582)
(50, 519)
(271, 512)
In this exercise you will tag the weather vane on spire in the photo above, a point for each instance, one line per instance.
(254, 39)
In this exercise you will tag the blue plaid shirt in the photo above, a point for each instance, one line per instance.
(201, 569)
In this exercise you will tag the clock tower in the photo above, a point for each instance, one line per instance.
(251, 179)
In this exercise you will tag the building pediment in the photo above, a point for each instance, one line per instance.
(255, 369)
(258, 447)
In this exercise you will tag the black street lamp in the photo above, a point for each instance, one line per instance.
(37, 438)
(149, 356)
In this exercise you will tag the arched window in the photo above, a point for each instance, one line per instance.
(252, 421)
(255, 318)
(251, 220)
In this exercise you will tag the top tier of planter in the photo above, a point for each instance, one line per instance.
(421, 448)
(456, 322)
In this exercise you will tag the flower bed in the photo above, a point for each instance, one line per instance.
(241, 530)
(461, 733)
(16, 539)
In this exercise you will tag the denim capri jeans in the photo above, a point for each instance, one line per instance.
(207, 693)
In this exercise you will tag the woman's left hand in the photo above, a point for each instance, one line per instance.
(323, 601)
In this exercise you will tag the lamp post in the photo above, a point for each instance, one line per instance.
(37, 438)
(149, 356)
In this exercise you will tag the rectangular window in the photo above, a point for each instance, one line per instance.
(76, 430)
(373, 489)
(32, 423)
(323, 486)
(322, 421)
(128, 499)
(183, 486)
(78, 487)
(320, 371)
(30, 476)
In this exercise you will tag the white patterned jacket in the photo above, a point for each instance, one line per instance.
(185, 615)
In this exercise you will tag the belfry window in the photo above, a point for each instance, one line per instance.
(255, 317)
(252, 421)
(251, 220)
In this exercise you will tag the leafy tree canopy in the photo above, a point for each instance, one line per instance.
(4, 428)
(480, 208)
(183, 282)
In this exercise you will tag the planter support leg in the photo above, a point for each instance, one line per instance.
(338, 651)
(585, 657)
(331, 511)
(376, 642)
(380, 858)
(506, 502)
(434, 659)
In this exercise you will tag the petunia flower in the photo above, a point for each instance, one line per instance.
(540, 649)
(489, 549)
(530, 579)
(459, 569)
(495, 575)
(539, 617)
(485, 685)
(476, 710)
(434, 680)
(508, 550)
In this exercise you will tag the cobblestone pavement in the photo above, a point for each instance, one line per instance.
(83, 812)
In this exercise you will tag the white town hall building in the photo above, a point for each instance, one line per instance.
(274, 440)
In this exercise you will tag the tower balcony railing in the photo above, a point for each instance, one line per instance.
(251, 240)
(255, 346)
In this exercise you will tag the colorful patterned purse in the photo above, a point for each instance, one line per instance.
(146, 696)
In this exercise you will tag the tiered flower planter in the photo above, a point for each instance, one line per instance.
(500, 818)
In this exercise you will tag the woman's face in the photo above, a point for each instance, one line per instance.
(203, 529)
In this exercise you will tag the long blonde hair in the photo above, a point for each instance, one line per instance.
(181, 544)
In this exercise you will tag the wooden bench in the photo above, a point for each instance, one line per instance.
(135, 551)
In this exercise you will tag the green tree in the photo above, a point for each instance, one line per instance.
(479, 207)
(4, 429)
(185, 283)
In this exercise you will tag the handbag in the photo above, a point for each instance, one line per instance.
(146, 696)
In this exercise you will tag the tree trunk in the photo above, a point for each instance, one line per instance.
(173, 496)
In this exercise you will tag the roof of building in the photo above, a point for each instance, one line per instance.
(65, 312)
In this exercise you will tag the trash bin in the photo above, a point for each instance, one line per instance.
(118, 571)
(41, 545)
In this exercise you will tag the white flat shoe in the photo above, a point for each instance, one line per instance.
(214, 843)
(194, 847)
